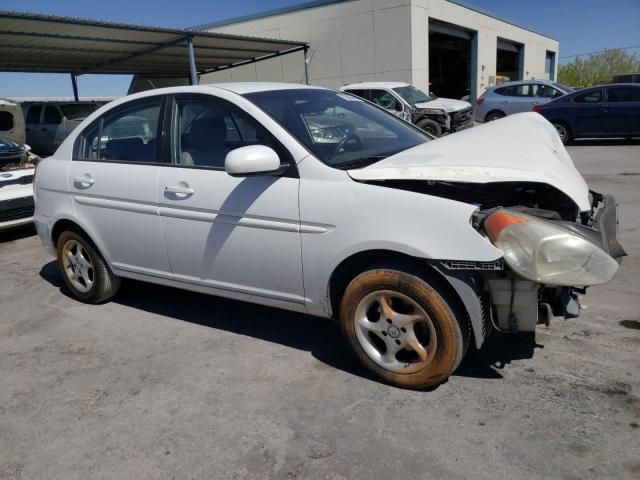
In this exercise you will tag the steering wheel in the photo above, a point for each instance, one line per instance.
(349, 137)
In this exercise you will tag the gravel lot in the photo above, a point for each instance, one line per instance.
(165, 384)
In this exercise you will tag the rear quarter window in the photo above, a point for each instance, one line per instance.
(6, 121)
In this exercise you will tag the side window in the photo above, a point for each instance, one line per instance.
(524, 90)
(6, 121)
(128, 134)
(385, 100)
(51, 115)
(33, 115)
(623, 94)
(505, 91)
(205, 131)
(359, 93)
(590, 97)
(546, 91)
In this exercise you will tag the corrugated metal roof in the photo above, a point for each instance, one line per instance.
(32, 42)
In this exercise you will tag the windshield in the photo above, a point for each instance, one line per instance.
(78, 111)
(563, 87)
(413, 95)
(340, 129)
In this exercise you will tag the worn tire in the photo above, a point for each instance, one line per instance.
(105, 283)
(494, 115)
(452, 332)
(430, 126)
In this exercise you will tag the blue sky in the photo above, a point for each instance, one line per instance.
(580, 26)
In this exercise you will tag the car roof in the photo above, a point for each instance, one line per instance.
(523, 82)
(377, 85)
(251, 87)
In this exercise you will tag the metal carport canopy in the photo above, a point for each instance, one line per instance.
(32, 42)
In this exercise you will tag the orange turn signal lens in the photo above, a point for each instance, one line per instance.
(494, 224)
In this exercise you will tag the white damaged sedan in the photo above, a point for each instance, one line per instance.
(315, 201)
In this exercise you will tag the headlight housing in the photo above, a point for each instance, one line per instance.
(545, 253)
(433, 111)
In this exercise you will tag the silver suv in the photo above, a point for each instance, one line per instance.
(514, 97)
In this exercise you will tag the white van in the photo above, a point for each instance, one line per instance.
(49, 121)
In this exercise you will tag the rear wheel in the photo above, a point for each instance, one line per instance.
(563, 132)
(494, 115)
(430, 126)
(401, 328)
(84, 271)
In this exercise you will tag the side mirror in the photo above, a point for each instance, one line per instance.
(252, 160)
(399, 107)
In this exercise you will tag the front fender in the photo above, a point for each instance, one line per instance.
(359, 217)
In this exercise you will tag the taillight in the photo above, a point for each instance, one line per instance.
(537, 109)
(479, 101)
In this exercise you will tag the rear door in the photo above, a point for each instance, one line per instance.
(113, 181)
(621, 111)
(522, 99)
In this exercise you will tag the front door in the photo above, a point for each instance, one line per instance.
(587, 112)
(621, 112)
(113, 181)
(239, 236)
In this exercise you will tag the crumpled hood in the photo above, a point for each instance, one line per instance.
(520, 148)
(447, 104)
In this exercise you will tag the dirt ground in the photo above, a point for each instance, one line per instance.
(166, 384)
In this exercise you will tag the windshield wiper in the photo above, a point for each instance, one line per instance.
(359, 162)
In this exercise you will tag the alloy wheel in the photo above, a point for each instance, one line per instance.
(395, 332)
(78, 266)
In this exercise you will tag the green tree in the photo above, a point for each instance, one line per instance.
(598, 68)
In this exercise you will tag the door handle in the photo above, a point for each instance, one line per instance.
(85, 180)
(504, 102)
(179, 190)
(535, 103)
(43, 129)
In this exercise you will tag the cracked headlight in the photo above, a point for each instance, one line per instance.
(545, 253)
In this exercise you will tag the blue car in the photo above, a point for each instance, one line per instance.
(604, 111)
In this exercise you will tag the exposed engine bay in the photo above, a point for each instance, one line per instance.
(493, 195)
(509, 301)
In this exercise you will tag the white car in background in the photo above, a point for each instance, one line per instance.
(49, 120)
(434, 115)
(17, 168)
(318, 202)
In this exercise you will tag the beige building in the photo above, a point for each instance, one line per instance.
(452, 46)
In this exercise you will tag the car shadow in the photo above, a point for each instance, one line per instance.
(17, 233)
(320, 337)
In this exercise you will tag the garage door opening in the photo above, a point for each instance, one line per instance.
(510, 61)
(450, 60)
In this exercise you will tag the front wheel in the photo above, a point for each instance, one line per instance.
(402, 329)
(430, 126)
(84, 271)
(563, 132)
